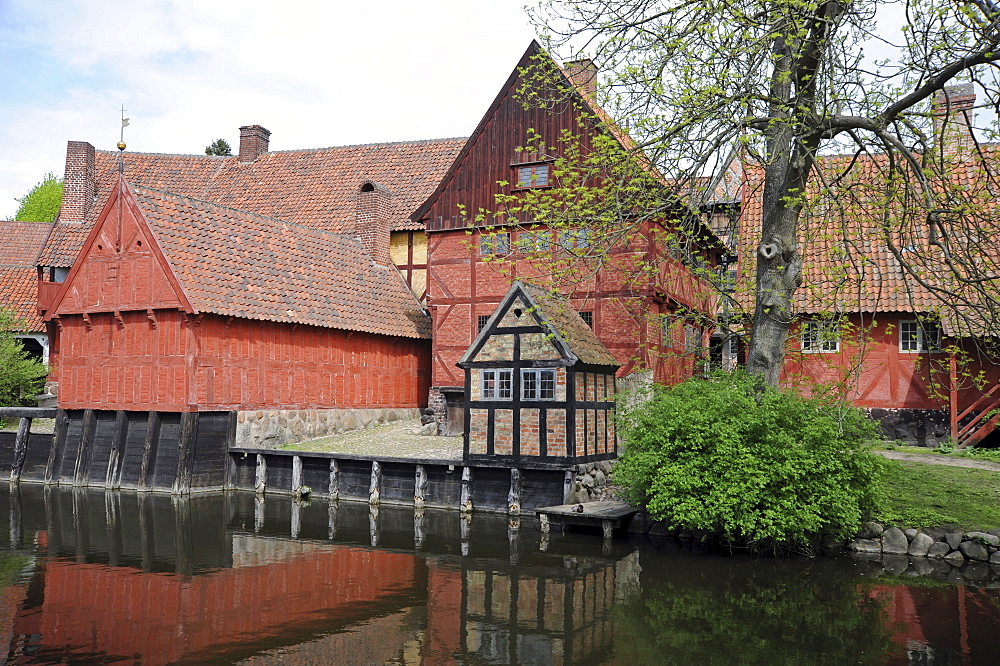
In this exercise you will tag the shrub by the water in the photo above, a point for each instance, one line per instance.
(753, 464)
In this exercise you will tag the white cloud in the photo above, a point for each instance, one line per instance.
(189, 71)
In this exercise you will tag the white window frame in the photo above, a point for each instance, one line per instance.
(913, 335)
(533, 384)
(494, 244)
(534, 241)
(574, 239)
(820, 337)
(539, 174)
(496, 384)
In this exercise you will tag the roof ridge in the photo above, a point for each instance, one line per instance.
(373, 143)
(297, 150)
(243, 211)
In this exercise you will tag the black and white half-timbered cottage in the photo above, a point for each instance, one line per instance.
(539, 384)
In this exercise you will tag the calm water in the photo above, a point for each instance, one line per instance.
(104, 577)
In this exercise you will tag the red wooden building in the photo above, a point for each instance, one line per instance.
(869, 326)
(178, 305)
(472, 265)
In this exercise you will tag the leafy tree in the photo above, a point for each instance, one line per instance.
(42, 203)
(754, 464)
(783, 82)
(21, 377)
(219, 147)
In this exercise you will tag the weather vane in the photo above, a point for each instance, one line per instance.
(121, 142)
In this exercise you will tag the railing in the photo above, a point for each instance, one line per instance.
(983, 422)
(47, 294)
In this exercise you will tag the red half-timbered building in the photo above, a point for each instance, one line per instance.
(178, 305)
(471, 264)
(869, 326)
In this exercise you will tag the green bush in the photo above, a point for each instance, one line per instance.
(755, 465)
(21, 377)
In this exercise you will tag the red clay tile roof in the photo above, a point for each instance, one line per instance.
(847, 263)
(22, 241)
(314, 187)
(272, 270)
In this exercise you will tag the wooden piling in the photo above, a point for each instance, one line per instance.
(514, 496)
(20, 448)
(375, 487)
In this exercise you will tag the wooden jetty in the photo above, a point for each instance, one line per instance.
(609, 515)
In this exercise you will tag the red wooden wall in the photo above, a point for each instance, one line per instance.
(888, 378)
(180, 363)
(626, 312)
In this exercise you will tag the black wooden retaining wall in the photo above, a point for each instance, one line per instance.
(164, 451)
(185, 452)
(402, 481)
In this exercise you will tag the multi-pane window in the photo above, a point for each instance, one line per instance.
(496, 384)
(481, 321)
(588, 318)
(533, 175)
(820, 336)
(534, 241)
(538, 384)
(572, 239)
(692, 339)
(919, 336)
(498, 243)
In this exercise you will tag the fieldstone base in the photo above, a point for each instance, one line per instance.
(592, 482)
(920, 427)
(271, 428)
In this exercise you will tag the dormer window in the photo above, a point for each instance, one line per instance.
(531, 175)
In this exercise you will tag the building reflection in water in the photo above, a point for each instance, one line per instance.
(104, 576)
(96, 576)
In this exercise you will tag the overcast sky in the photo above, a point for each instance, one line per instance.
(188, 72)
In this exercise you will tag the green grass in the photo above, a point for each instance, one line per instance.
(921, 495)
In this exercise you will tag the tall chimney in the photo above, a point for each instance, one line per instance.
(583, 75)
(952, 111)
(253, 142)
(79, 182)
(371, 222)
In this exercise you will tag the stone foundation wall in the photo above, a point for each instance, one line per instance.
(592, 482)
(271, 428)
(919, 427)
(954, 547)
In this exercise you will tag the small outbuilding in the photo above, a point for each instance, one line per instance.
(539, 384)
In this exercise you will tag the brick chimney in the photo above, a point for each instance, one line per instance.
(371, 221)
(253, 142)
(79, 182)
(583, 75)
(952, 108)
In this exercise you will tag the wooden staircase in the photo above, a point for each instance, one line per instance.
(978, 420)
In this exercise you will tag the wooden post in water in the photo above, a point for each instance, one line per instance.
(514, 496)
(149, 450)
(260, 480)
(20, 448)
(58, 444)
(86, 450)
(113, 478)
(296, 475)
(185, 453)
(465, 502)
(375, 487)
(419, 487)
(334, 481)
